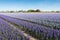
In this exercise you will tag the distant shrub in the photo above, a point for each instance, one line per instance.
(37, 10)
(34, 10)
(57, 11)
(11, 11)
(31, 11)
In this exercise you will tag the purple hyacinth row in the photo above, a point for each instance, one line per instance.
(47, 33)
(7, 32)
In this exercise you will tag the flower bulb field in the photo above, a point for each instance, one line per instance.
(26, 26)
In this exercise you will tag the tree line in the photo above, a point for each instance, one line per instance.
(30, 10)
(37, 10)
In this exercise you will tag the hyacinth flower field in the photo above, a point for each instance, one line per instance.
(29, 26)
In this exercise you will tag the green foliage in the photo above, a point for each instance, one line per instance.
(37, 10)
(34, 10)
(11, 11)
(57, 11)
(31, 11)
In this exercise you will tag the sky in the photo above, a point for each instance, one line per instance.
(44, 5)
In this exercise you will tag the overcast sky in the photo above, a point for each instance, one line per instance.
(44, 5)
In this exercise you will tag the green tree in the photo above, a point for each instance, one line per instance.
(11, 11)
(57, 11)
(37, 10)
(31, 11)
